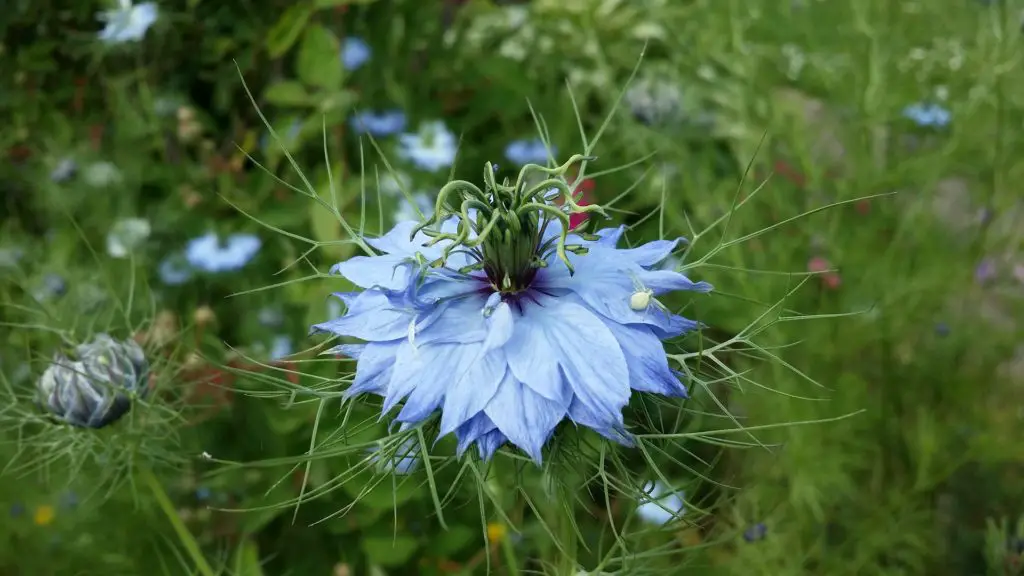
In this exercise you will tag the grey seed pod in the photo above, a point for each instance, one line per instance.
(96, 388)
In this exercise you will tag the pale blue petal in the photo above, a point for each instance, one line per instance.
(373, 369)
(369, 317)
(651, 253)
(588, 354)
(526, 418)
(603, 423)
(473, 381)
(470, 431)
(645, 356)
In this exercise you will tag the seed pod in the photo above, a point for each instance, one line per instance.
(95, 389)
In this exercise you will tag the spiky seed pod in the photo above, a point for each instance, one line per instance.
(95, 388)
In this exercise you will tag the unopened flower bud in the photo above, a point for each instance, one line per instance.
(95, 389)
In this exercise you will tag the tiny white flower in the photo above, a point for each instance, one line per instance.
(128, 21)
(126, 235)
(431, 149)
(101, 174)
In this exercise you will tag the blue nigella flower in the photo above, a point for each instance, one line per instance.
(928, 115)
(379, 123)
(209, 254)
(64, 170)
(53, 286)
(127, 22)
(174, 270)
(68, 500)
(354, 53)
(431, 149)
(523, 152)
(756, 532)
(663, 505)
(280, 347)
(404, 460)
(504, 347)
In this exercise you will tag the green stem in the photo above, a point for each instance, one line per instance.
(190, 544)
(569, 564)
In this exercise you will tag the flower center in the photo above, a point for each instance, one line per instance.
(504, 228)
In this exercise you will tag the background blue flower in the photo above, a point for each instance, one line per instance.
(210, 254)
(354, 53)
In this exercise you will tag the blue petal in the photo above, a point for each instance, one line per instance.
(474, 378)
(489, 443)
(390, 271)
(605, 425)
(664, 281)
(526, 418)
(471, 430)
(370, 316)
(645, 356)
(651, 253)
(420, 377)
(532, 354)
(588, 355)
(373, 369)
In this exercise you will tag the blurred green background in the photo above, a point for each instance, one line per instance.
(126, 133)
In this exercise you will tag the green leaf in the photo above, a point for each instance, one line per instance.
(389, 550)
(449, 542)
(286, 30)
(288, 93)
(319, 60)
(247, 559)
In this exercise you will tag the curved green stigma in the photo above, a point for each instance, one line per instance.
(506, 236)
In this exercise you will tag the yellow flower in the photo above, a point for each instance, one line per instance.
(44, 515)
(495, 532)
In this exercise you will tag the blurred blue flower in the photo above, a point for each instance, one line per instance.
(985, 271)
(663, 505)
(68, 500)
(942, 329)
(928, 115)
(127, 22)
(430, 149)
(9, 257)
(280, 347)
(64, 170)
(271, 317)
(404, 461)
(17, 510)
(174, 270)
(354, 53)
(533, 151)
(52, 286)
(209, 254)
(510, 365)
(405, 211)
(203, 493)
(756, 532)
(379, 123)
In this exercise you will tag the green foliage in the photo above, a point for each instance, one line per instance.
(858, 390)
